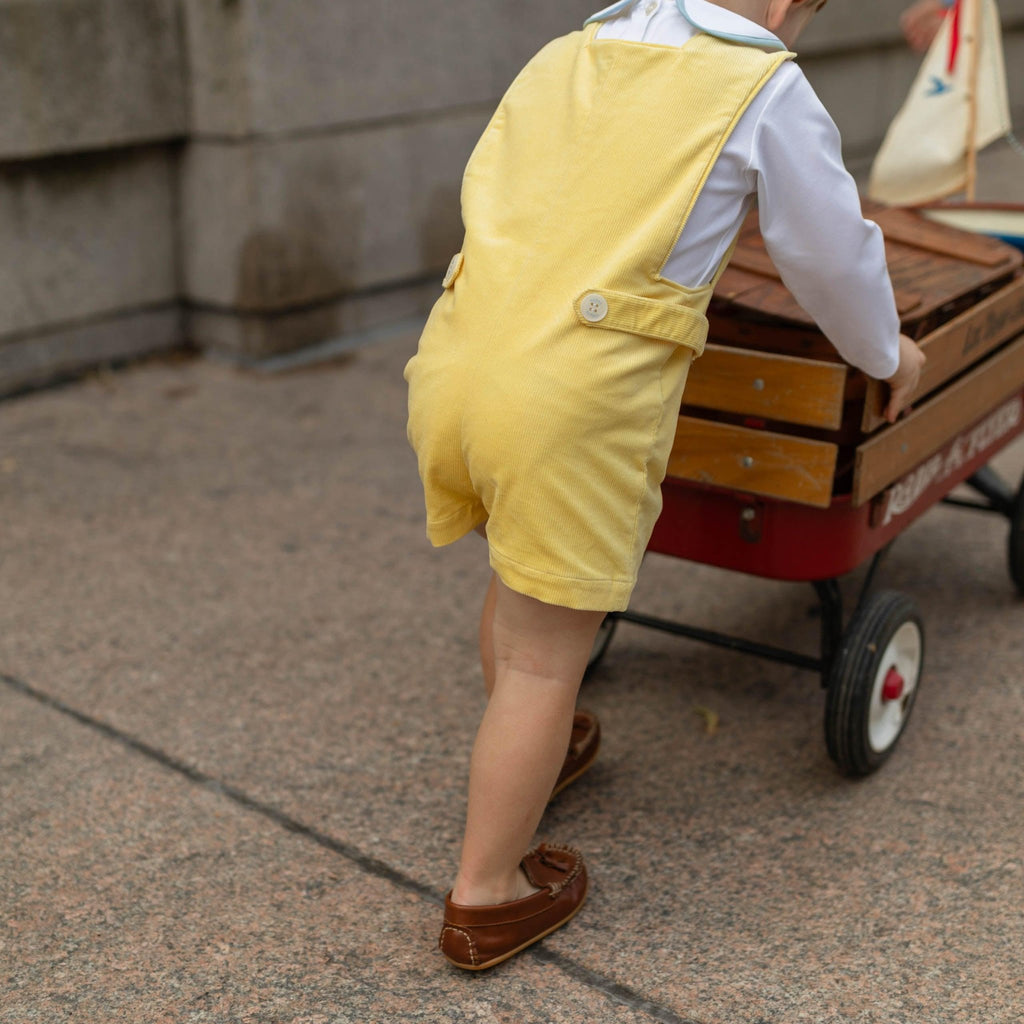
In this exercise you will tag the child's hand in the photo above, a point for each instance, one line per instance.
(903, 383)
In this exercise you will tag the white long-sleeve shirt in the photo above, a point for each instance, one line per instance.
(785, 150)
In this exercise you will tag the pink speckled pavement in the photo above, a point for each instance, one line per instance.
(238, 691)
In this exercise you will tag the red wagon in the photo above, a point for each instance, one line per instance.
(783, 466)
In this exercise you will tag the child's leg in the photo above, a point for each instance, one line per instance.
(586, 730)
(487, 634)
(540, 652)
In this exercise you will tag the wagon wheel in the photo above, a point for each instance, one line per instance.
(873, 682)
(1016, 546)
(605, 632)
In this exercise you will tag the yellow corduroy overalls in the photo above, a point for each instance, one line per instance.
(544, 395)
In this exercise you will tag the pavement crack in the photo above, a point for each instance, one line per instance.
(613, 990)
(371, 865)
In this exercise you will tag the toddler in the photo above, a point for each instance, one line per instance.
(600, 206)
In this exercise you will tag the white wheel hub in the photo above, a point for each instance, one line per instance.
(895, 681)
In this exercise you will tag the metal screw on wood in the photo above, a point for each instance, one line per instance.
(747, 462)
(759, 384)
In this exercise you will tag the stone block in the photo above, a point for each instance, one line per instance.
(857, 26)
(273, 66)
(85, 236)
(269, 66)
(250, 338)
(218, 62)
(84, 74)
(843, 27)
(276, 225)
(41, 358)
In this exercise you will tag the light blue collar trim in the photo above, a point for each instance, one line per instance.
(717, 21)
(709, 18)
(608, 12)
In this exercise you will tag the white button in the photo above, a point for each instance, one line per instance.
(453, 271)
(651, 7)
(594, 307)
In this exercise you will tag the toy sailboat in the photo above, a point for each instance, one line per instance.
(957, 105)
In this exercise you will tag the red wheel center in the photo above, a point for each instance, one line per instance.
(892, 688)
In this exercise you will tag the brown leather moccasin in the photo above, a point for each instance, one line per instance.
(479, 937)
(583, 746)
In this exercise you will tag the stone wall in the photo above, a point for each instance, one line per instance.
(257, 176)
(320, 191)
(92, 103)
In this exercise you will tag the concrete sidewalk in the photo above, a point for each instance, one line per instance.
(238, 693)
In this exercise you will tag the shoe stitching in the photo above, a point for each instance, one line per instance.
(473, 958)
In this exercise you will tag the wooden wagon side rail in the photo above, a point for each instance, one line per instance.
(956, 345)
(892, 453)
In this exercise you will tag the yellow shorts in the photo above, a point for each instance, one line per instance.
(563, 458)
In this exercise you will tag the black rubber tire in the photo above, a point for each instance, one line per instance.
(1015, 548)
(605, 632)
(853, 679)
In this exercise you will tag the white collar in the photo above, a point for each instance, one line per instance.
(712, 19)
(717, 21)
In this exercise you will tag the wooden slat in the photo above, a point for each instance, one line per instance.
(906, 301)
(775, 387)
(893, 452)
(803, 341)
(754, 461)
(946, 267)
(912, 229)
(957, 344)
(753, 259)
(757, 292)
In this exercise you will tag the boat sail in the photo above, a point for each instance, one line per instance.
(957, 105)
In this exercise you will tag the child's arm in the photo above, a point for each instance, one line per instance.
(829, 256)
